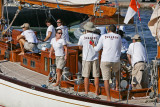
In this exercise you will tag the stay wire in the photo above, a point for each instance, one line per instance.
(117, 6)
(39, 25)
(9, 31)
(142, 34)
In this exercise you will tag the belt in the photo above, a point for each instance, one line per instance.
(32, 43)
(139, 62)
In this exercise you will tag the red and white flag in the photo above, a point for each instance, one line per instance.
(132, 9)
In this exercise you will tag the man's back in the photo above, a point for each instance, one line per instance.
(137, 52)
(89, 53)
(30, 36)
(111, 44)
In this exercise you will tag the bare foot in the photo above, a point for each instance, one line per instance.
(22, 53)
(56, 84)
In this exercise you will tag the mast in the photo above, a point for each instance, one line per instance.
(1, 8)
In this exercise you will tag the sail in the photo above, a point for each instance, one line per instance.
(70, 2)
(154, 23)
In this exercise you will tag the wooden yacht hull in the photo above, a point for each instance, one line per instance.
(14, 93)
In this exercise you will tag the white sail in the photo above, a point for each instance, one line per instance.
(71, 2)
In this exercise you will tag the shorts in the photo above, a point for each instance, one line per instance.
(29, 46)
(60, 62)
(88, 66)
(138, 73)
(106, 69)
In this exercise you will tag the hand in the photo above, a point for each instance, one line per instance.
(65, 57)
(91, 42)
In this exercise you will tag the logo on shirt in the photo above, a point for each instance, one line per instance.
(111, 37)
(90, 38)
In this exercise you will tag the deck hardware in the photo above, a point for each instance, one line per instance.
(65, 74)
(33, 87)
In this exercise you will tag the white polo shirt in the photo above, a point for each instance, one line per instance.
(111, 44)
(89, 54)
(58, 46)
(137, 52)
(50, 29)
(30, 36)
(65, 34)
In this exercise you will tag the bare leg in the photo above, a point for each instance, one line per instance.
(96, 82)
(86, 84)
(21, 42)
(59, 73)
(107, 89)
(117, 80)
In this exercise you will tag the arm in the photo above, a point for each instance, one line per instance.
(129, 58)
(66, 51)
(80, 48)
(51, 51)
(20, 37)
(48, 36)
(99, 45)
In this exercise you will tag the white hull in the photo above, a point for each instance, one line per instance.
(13, 95)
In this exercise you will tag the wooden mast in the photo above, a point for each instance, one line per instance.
(1, 8)
(1, 12)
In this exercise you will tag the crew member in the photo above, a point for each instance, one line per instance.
(50, 33)
(65, 34)
(27, 39)
(137, 57)
(110, 58)
(90, 57)
(60, 48)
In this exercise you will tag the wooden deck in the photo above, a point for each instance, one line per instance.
(15, 70)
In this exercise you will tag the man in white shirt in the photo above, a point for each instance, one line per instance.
(64, 29)
(50, 33)
(137, 57)
(110, 58)
(27, 39)
(90, 57)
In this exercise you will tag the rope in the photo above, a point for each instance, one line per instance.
(39, 25)
(17, 12)
(142, 33)
(9, 28)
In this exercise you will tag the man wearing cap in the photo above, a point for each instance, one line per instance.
(27, 39)
(110, 58)
(137, 58)
(90, 57)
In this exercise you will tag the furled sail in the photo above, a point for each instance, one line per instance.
(71, 2)
(154, 23)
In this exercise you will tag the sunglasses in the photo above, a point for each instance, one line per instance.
(58, 22)
(59, 33)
